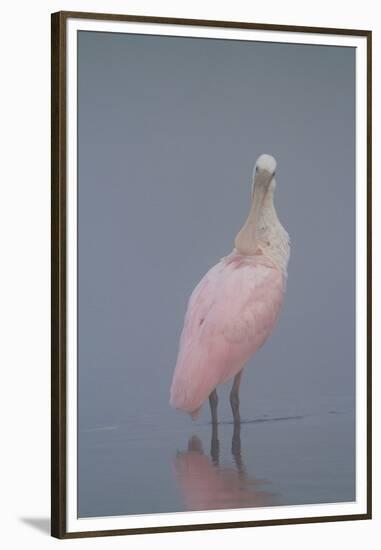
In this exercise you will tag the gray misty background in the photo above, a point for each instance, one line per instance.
(169, 130)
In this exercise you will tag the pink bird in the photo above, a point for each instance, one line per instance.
(233, 309)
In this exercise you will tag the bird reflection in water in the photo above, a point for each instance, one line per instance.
(207, 485)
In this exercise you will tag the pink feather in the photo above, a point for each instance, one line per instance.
(230, 314)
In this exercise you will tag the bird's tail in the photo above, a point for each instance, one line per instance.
(196, 413)
(180, 400)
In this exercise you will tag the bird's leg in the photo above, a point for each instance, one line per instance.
(213, 402)
(236, 448)
(215, 445)
(234, 397)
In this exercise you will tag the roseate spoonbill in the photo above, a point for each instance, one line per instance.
(233, 309)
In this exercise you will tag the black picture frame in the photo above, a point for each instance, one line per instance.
(58, 271)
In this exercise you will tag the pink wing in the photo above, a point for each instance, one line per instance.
(230, 314)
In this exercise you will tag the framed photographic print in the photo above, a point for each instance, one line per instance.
(211, 265)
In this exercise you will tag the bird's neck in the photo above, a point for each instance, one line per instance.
(273, 239)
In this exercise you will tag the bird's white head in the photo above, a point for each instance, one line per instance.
(263, 233)
(263, 173)
(266, 163)
(246, 241)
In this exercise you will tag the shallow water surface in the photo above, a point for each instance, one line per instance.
(152, 463)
